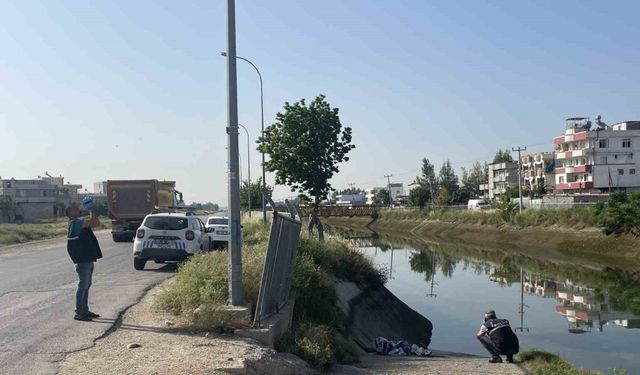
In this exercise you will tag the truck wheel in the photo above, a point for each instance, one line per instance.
(116, 238)
(138, 264)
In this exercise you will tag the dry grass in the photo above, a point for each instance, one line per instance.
(19, 233)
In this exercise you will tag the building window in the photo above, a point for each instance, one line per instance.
(603, 143)
(626, 143)
(561, 179)
(632, 171)
(621, 172)
(603, 160)
(615, 156)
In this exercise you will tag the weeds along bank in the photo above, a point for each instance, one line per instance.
(20, 233)
(323, 271)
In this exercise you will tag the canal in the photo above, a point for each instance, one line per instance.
(591, 318)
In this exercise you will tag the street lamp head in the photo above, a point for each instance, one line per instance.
(223, 53)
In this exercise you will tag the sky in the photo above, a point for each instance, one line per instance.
(137, 89)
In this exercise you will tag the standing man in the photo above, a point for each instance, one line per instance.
(497, 337)
(84, 250)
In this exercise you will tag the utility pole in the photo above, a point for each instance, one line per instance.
(519, 149)
(522, 328)
(388, 177)
(351, 185)
(235, 247)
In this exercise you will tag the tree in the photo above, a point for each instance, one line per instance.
(350, 191)
(382, 198)
(442, 197)
(419, 196)
(502, 156)
(428, 176)
(447, 179)
(256, 194)
(506, 207)
(621, 214)
(305, 146)
(473, 178)
(7, 206)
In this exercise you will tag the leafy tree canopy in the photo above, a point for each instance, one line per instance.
(447, 179)
(428, 175)
(502, 156)
(256, 194)
(305, 146)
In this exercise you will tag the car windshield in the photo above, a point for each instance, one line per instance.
(166, 223)
(218, 221)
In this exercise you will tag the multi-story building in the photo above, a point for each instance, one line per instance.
(502, 176)
(597, 160)
(538, 169)
(33, 199)
(100, 187)
(351, 200)
(397, 192)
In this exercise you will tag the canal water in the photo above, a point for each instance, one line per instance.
(590, 318)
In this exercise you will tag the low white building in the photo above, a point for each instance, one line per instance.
(397, 192)
(351, 200)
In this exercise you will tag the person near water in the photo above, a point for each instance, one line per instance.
(497, 337)
(84, 250)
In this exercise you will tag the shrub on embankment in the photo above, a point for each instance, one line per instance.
(574, 218)
(539, 362)
(203, 281)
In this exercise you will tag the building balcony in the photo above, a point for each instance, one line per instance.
(571, 154)
(581, 136)
(576, 169)
(575, 185)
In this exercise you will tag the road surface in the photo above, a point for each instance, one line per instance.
(37, 301)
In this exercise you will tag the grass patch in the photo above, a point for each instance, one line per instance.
(20, 233)
(202, 285)
(539, 362)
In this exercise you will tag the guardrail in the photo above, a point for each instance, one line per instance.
(278, 267)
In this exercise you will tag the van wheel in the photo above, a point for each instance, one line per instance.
(138, 264)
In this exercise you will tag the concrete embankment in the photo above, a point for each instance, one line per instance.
(589, 247)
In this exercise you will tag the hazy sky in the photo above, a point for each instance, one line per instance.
(137, 89)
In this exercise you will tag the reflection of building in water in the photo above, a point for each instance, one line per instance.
(585, 310)
(503, 275)
(535, 284)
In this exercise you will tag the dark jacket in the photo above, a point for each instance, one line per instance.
(502, 336)
(85, 248)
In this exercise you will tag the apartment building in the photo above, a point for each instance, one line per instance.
(502, 176)
(33, 199)
(597, 160)
(397, 192)
(538, 169)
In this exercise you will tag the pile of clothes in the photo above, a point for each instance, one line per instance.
(399, 348)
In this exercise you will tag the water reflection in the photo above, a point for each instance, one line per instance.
(591, 317)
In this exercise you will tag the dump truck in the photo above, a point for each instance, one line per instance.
(129, 201)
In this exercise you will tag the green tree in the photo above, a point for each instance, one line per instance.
(419, 196)
(447, 179)
(424, 262)
(442, 197)
(351, 191)
(256, 194)
(511, 192)
(305, 146)
(428, 176)
(7, 206)
(473, 178)
(382, 198)
(621, 214)
(506, 207)
(502, 156)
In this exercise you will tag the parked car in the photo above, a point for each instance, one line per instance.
(169, 237)
(218, 227)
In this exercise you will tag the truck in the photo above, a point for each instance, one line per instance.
(129, 201)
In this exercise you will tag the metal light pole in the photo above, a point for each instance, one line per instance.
(519, 149)
(248, 167)
(264, 178)
(235, 246)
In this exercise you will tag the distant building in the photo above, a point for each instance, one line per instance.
(538, 169)
(100, 187)
(352, 200)
(397, 193)
(502, 176)
(597, 160)
(33, 199)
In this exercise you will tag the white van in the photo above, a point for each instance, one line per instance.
(477, 204)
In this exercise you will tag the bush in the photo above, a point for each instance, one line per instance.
(544, 363)
(621, 214)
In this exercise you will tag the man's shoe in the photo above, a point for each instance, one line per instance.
(93, 315)
(82, 318)
(510, 358)
(495, 360)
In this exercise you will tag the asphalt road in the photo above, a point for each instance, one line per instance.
(37, 299)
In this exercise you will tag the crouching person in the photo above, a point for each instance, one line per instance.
(497, 337)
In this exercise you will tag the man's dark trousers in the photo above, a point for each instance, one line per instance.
(485, 340)
(85, 273)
